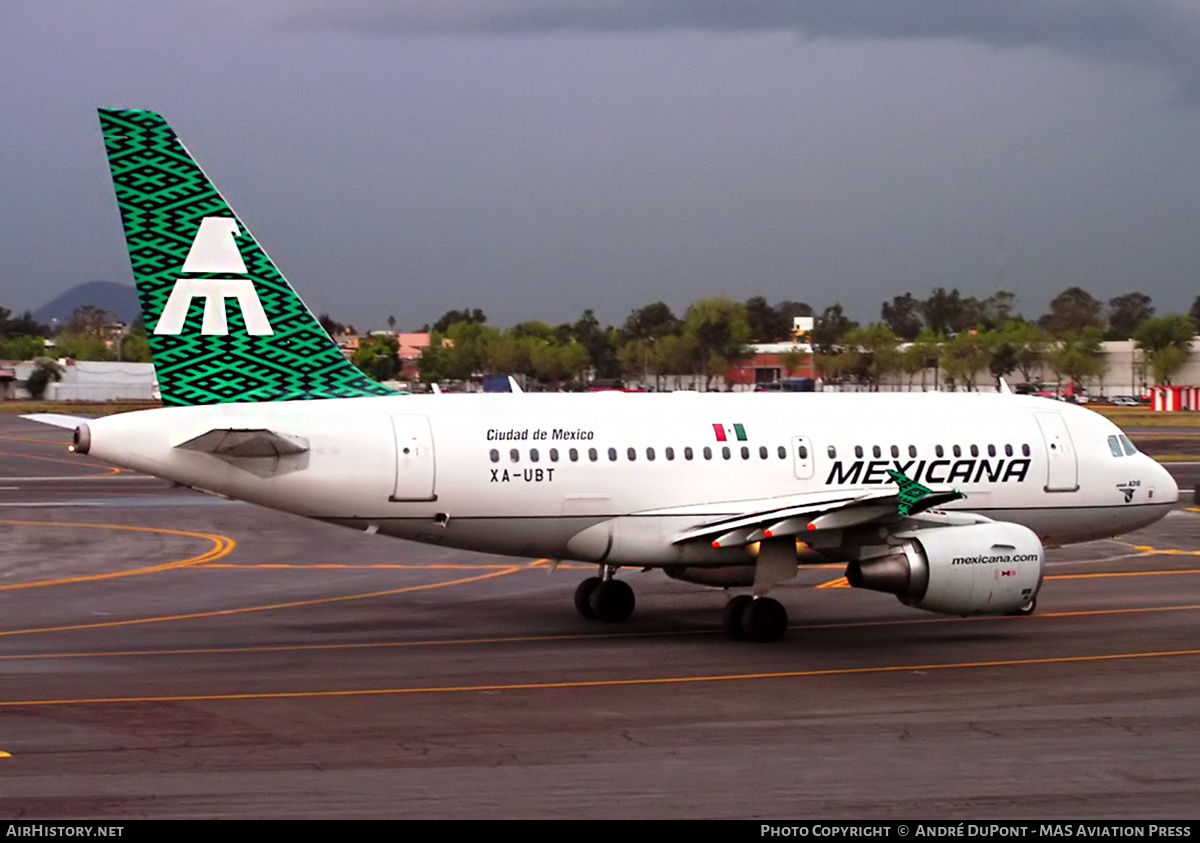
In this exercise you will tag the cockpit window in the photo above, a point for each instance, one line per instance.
(1129, 448)
(1114, 445)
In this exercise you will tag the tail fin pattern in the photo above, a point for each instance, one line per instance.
(224, 324)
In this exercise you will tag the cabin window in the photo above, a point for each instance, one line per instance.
(495, 455)
(832, 451)
(533, 454)
(573, 454)
(782, 452)
(554, 455)
(991, 450)
(670, 452)
(1008, 450)
(762, 452)
(745, 453)
(1025, 450)
(858, 451)
(592, 455)
(974, 450)
(612, 454)
(912, 451)
(802, 451)
(514, 455)
(725, 451)
(957, 451)
(939, 450)
(649, 453)
(631, 453)
(707, 452)
(687, 453)
(895, 451)
(876, 451)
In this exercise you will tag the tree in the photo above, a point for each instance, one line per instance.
(451, 317)
(379, 357)
(44, 371)
(1165, 343)
(947, 312)
(1127, 313)
(766, 323)
(89, 320)
(1029, 343)
(879, 350)
(651, 322)
(791, 360)
(998, 309)
(964, 356)
(721, 332)
(331, 326)
(1079, 356)
(903, 316)
(597, 342)
(830, 329)
(1072, 311)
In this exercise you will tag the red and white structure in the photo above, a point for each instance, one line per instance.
(1169, 399)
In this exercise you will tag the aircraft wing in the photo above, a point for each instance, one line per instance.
(851, 509)
(245, 442)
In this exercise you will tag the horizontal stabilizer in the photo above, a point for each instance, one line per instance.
(230, 442)
(57, 419)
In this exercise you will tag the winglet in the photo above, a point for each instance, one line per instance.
(910, 491)
(913, 493)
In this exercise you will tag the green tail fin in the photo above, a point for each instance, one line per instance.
(224, 324)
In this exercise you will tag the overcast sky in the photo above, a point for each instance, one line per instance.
(537, 157)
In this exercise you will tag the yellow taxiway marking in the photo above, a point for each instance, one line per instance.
(222, 546)
(4, 754)
(607, 683)
(381, 566)
(579, 636)
(62, 443)
(108, 469)
(217, 613)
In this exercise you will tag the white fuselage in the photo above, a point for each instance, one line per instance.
(608, 477)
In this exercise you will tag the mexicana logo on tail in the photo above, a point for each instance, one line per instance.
(214, 250)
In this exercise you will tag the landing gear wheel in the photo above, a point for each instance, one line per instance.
(583, 597)
(1027, 608)
(731, 616)
(611, 601)
(764, 620)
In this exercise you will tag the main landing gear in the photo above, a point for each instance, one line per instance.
(745, 618)
(605, 598)
(761, 619)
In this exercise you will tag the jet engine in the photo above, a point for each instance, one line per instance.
(992, 568)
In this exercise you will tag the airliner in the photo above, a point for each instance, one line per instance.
(945, 500)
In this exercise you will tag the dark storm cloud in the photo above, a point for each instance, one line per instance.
(1155, 33)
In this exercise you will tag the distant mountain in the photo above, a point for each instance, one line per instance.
(106, 295)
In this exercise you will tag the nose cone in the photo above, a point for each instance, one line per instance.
(1166, 489)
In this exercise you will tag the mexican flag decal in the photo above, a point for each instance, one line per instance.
(725, 432)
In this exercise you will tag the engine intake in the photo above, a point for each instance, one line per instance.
(993, 568)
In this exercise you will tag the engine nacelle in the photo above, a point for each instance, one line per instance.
(992, 568)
